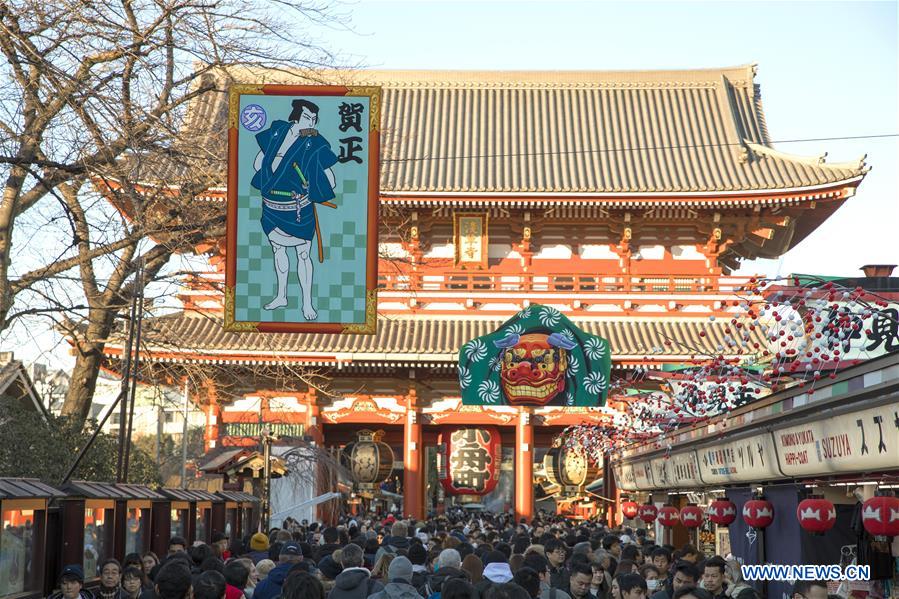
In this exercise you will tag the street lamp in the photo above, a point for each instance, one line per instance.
(265, 511)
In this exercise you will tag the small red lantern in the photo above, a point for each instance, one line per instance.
(758, 513)
(648, 513)
(629, 509)
(691, 515)
(816, 514)
(668, 515)
(880, 516)
(722, 512)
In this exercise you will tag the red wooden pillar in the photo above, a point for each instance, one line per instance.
(524, 466)
(413, 481)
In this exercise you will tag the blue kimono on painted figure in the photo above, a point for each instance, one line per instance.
(293, 173)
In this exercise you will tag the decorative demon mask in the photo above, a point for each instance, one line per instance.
(533, 367)
(536, 358)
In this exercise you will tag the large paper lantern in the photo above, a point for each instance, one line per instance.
(758, 513)
(816, 514)
(369, 460)
(880, 516)
(569, 467)
(629, 509)
(468, 459)
(722, 512)
(691, 515)
(648, 513)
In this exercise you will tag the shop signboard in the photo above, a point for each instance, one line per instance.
(859, 441)
(684, 470)
(748, 460)
(624, 477)
(643, 475)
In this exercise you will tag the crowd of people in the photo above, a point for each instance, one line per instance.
(452, 556)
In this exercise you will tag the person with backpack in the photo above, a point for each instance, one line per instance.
(355, 581)
(448, 567)
(496, 572)
(399, 576)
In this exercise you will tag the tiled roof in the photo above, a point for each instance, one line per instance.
(200, 337)
(576, 132)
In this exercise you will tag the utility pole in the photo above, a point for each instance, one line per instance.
(135, 363)
(184, 434)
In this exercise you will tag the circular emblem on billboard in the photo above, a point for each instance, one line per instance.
(253, 117)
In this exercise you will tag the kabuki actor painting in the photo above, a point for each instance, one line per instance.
(536, 358)
(302, 209)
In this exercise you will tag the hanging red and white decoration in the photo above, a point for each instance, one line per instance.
(758, 513)
(468, 459)
(880, 516)
(668, 515)
(630, 509)
(648, 513)
(691, 515)
(722, 512)
(816, 514)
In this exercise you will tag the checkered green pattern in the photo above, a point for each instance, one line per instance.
(338, 289)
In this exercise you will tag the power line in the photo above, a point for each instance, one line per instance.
(636, 149)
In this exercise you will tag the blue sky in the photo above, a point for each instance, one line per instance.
(826, 69)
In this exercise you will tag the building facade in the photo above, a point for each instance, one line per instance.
(626, 200)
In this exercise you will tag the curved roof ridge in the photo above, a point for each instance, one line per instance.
(819, 161)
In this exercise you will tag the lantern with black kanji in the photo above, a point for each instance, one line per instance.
(648, 513)
(758, 513)
(568, 466)
(369, 460)
(668, 515)
(691, 515)
(468, 459)
(629, 509)
(722, 512)
(816, 514)
(880, 517)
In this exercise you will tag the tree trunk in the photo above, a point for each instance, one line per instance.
(88, 360)
(83, 382)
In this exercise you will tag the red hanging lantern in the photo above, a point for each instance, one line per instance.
(691, 515)
(880, 516)
(758, 513)
(668, 515)
(722, 512)
(648, 513)
(816, 514)
(468, 459)
(630, 509)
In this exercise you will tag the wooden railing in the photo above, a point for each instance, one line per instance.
(558, 283)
